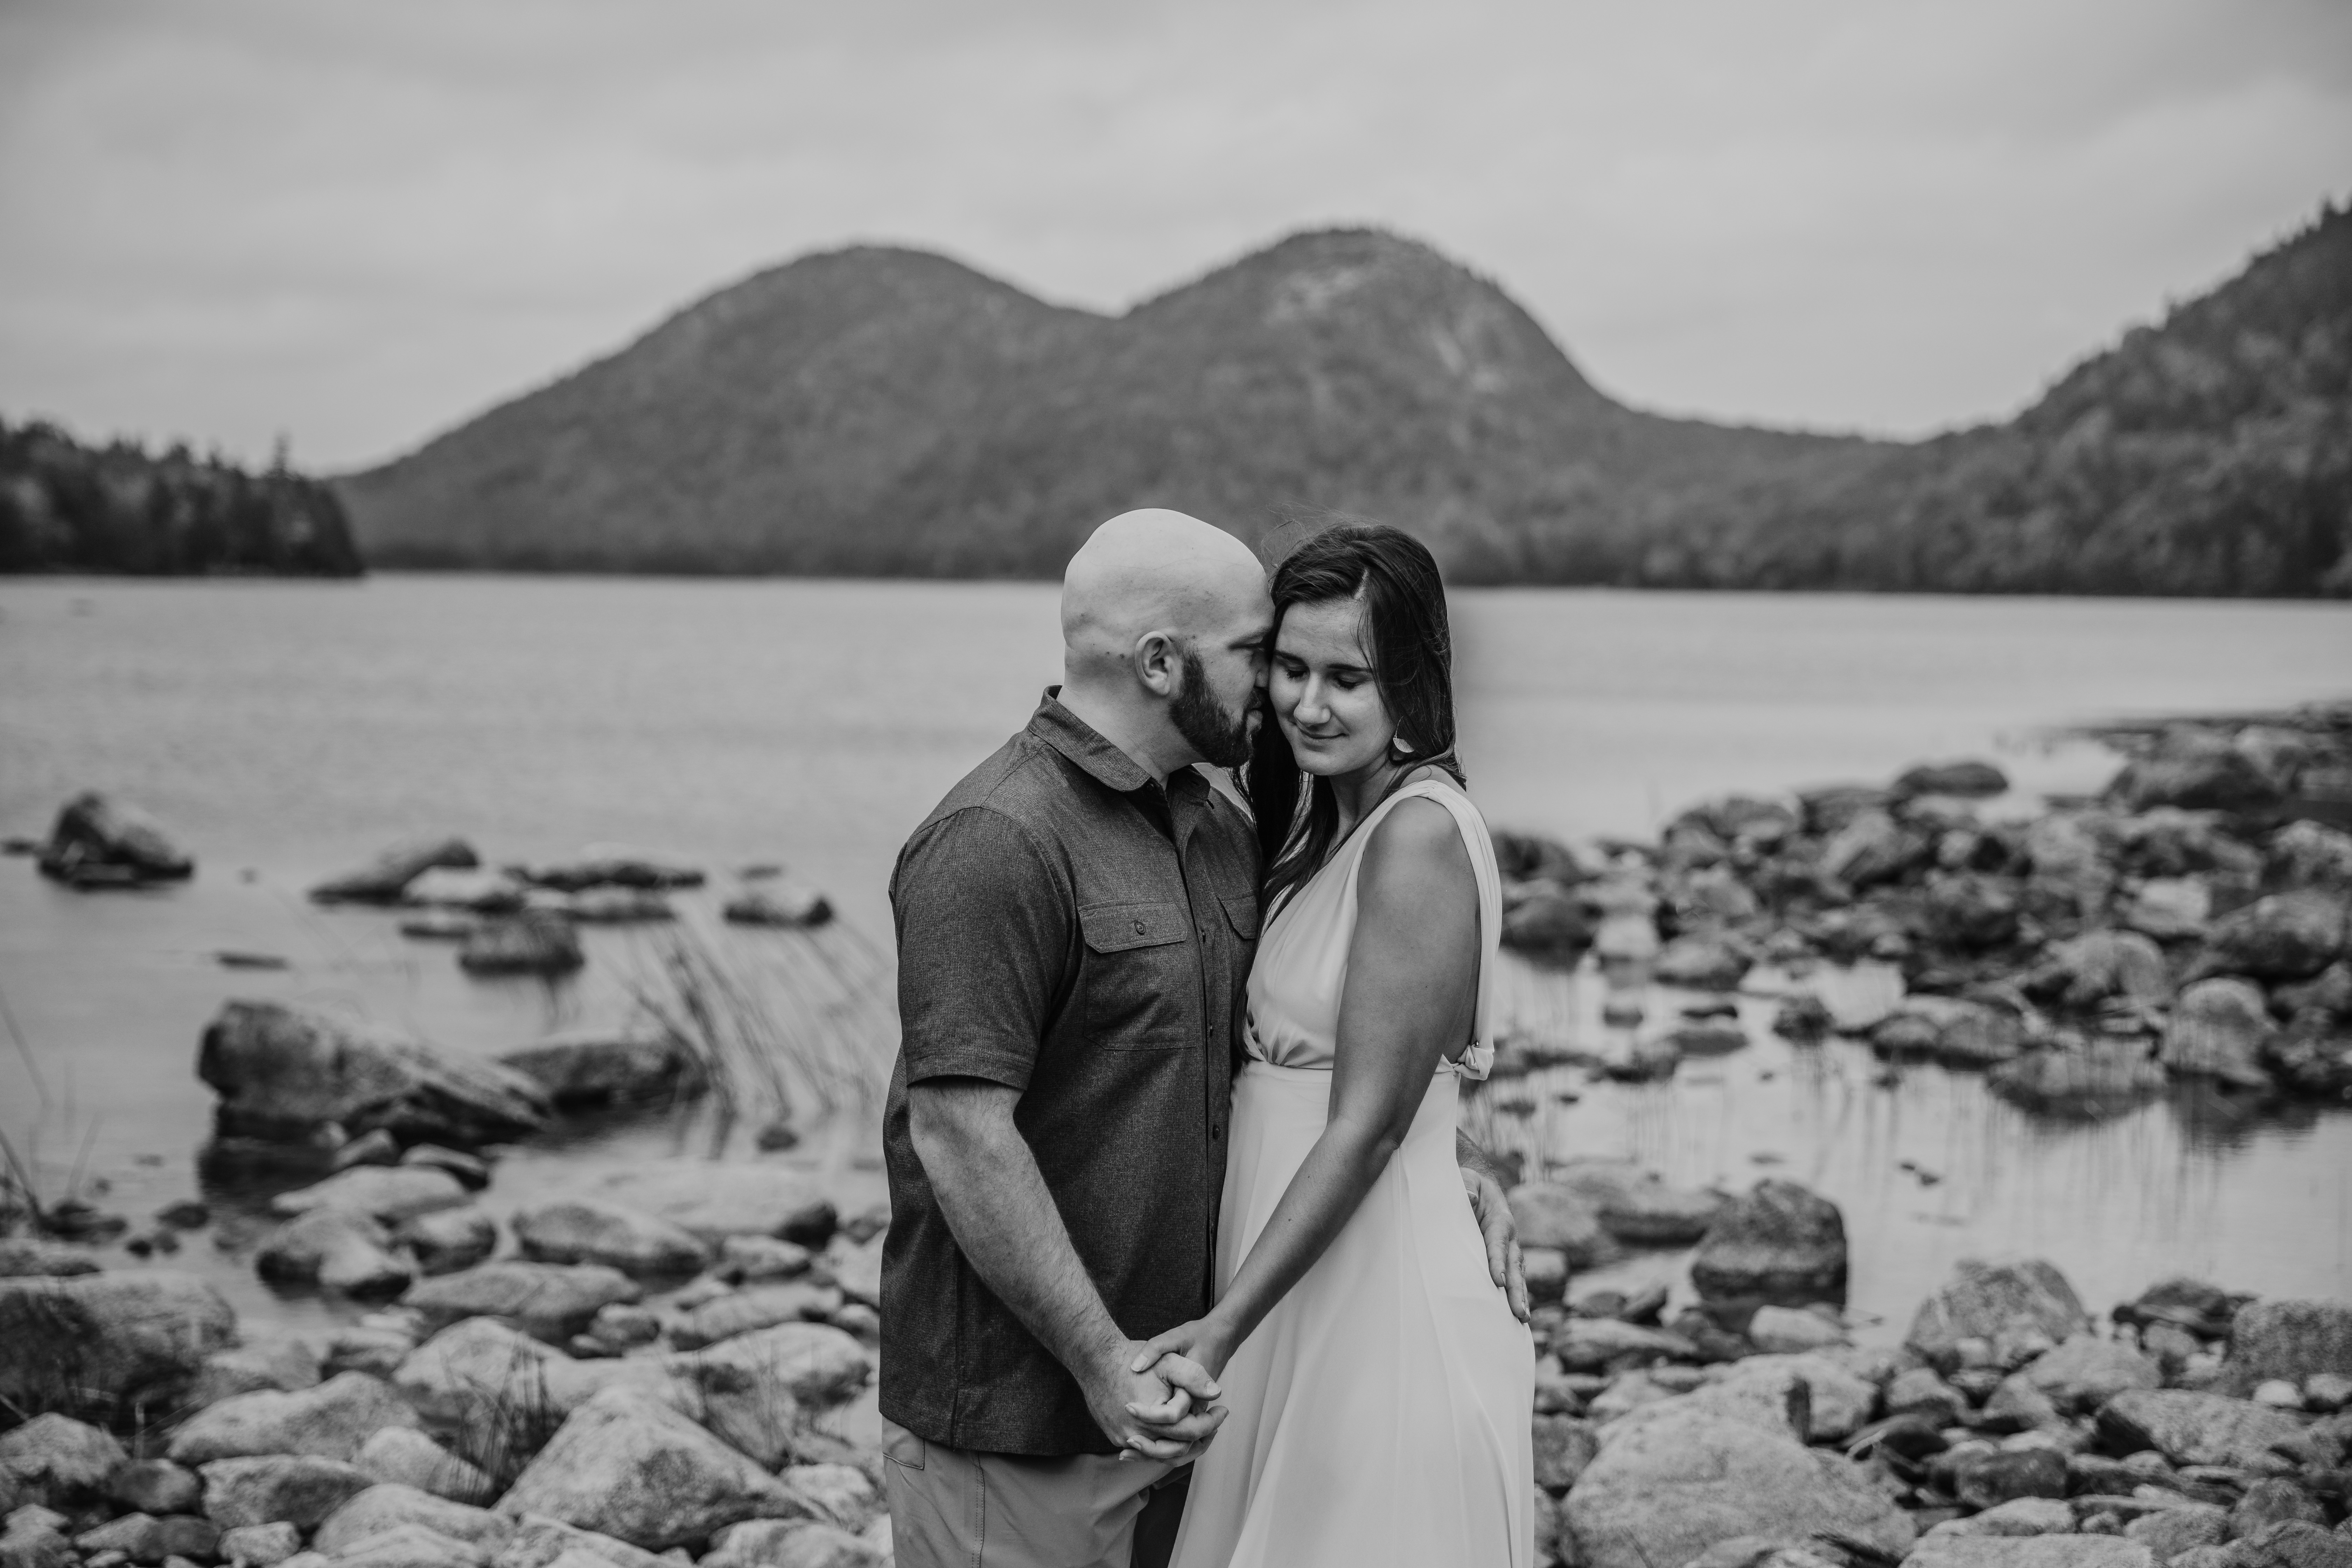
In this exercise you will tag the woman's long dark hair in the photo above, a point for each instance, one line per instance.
(1413, 662)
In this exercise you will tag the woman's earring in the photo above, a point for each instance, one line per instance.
(1398, 744)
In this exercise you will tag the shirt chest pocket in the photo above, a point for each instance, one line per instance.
(1143, 983)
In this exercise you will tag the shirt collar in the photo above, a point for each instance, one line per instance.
(1106, 763)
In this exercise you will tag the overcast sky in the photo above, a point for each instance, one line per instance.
(359, 223)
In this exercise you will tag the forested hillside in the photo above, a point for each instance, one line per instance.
(66, 507)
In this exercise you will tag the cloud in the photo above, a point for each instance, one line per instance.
(358, 224)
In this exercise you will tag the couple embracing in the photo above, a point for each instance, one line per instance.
(1186, 1254)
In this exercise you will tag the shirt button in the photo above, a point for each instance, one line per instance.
(1138, 928)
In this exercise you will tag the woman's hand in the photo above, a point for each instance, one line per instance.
(1188, 1356)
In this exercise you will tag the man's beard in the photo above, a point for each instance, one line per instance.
(1223, 739)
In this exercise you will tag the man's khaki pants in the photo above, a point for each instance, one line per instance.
(954, 1507)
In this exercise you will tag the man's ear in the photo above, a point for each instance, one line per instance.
(1159, 663)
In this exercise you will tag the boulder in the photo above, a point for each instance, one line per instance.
(2218, 1030)
(1969, 779)
(332, 1421)
(387, 1192)
(335, 1247)
(1700, 963)
(282, 1361)
(716, 1199)
(28, 1256)
(589, 1230)
(2194, 1428)
(2287, 936)
(2291, 1340)
(389, 1506)
(550, 1300)
(754, 1307)
(1837, 1401)
(2196, 770)
(2091, 1082)
(629, 1467)
(384, 880)
(2086, 1370)
(2085, 971)
(1872, 847)
(611, 1067)
(1563, 1220)
(535, 941)
(1779, 1243)
(449, 1239)
(1970, 913)
(1667, 1487)
(818, 1365)
(30, 1542)
(2169, 909)
(103, 1341)
(403, 1456)
(1984, 1301)
(259, 1545)
(58, 1461)
(282, 1070)
(2031, 1551)
(2206, 1310)
(2311, 854)
(98, 841)
(1564, 1447)
(300, 1489)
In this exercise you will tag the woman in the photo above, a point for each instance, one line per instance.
(1379, 1385)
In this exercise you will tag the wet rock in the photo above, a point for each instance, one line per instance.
(2218, 1030)
(25, 1256)
(387, 1192)
(155, 1487)
(2287, 936)
(1969, 780)
(1987, 1479)
(388, 1506)
(613, 866)
(2194, 1428)
(2090, 1083)
(404, 1457)
(786, 906)
(2196, 770)
(1563, 1220)
(336, 1248)
(450, 1240)
(1803, 1019)
(1666, 1487)
(59, 1462)
(2086, 1370)
(535, 941)
(1547, 924)
(626, 1466)
(102, 1342)
(259, 1545)
(99, 841)
(2311, 854)
(332, 1421)
(2169, 909)
(2287, 1339)
(1700, 964)
(283, 1361)
(478, 891)
(300, 1488)
(719, 1199)
(608, 1067)
(1708, 1037)
(1778, 1243)
(2086, 970)
(593, 1231)
(282, 1072)
(1984, 1301)
(552, 1301)
(384, 881)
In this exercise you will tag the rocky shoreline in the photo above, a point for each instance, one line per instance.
(663, 1366)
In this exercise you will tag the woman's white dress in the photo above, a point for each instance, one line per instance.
(1380, 1413)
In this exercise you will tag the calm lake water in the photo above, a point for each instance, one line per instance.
(288, 730)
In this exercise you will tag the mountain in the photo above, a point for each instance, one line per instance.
(876, 411)
(67, 507)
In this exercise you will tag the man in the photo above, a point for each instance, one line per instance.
(1075, 923)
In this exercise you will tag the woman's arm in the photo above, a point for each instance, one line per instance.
(1411, 993)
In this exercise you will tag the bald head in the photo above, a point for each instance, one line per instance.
(1164, 620)
(1150, 571)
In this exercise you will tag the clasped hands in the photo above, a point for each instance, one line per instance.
(1155, 1402)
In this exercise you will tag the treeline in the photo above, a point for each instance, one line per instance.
(67, 507)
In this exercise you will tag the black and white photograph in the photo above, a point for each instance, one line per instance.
(1337, 785)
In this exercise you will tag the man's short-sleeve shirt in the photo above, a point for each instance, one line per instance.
(1070, 929)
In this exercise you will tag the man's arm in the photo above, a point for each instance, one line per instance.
(1002, 1216)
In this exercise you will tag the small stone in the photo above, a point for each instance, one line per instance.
(338, 1248)
(1546, 1272)
(372, 1148)
(745, 1259)
(378, 1353)
(550, 1300)
(285, 1361)
(386, 1193)
(61, 1461)
(2279, 1395)
(1779, 1243)
(155, 1486)
(1919, 1392)
(592, 1231)
(471, 1171)
(300, 1488)
(1789, 1330)
(450, 1240)
(259, 1545)
(2326, 1392)
(1981, 1301)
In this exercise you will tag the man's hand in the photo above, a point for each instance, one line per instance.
(1502, 1234)
(1147, 1414)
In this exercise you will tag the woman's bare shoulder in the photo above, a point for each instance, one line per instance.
(1418, 841)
